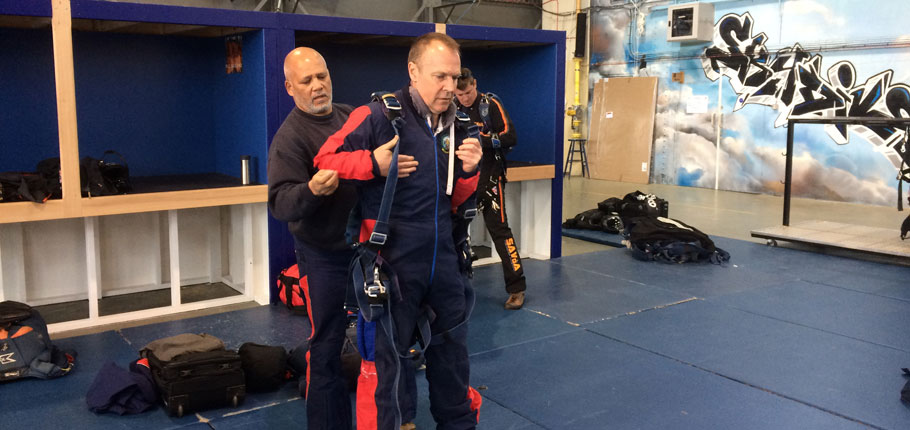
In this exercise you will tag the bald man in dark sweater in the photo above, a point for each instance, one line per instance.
(316, 206)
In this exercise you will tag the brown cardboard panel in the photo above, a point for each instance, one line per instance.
(596, 109)
(621, 150)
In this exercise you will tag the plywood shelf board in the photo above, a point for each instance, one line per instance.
(530, 173)
(174, 200)
(132, 203)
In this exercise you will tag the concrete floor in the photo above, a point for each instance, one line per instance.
(720, 213)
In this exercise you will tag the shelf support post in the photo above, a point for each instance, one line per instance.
(62, 29)
(92, 264)
(174, 246)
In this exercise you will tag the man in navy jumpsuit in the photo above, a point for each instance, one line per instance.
(420, 247)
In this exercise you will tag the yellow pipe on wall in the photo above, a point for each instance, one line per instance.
(577, 81)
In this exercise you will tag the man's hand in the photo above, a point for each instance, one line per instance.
(383, 155)
(469, 153)
(323, 183)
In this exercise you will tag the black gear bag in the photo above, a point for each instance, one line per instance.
(670, 241)
(25, 346)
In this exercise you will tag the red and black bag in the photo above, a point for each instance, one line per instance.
(290, 289)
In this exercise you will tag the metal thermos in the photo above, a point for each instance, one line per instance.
(245, 169)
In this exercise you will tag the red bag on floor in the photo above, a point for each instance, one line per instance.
(290, 289)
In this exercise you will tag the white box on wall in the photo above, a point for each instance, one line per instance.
(690, 22)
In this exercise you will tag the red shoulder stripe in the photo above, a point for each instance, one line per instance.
(355, 164)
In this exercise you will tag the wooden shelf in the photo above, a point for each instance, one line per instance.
(530, 173)
(132, 203)
(28, 211)
(173, 200)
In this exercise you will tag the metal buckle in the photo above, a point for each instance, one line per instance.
(378, 238)
(470, 213)
(376, 290)
(495, 140)
(391, 103)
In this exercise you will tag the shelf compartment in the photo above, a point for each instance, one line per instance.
(152, 84)
(146, 255)
(29, 118)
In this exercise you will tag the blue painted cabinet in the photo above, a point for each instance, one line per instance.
(152, 82)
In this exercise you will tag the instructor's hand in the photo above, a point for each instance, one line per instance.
(469, 153)
(383, 155)
(323, 183)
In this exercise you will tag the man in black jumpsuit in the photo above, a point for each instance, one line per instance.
(497, 137)
(315, 204)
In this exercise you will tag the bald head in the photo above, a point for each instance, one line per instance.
(307, 80)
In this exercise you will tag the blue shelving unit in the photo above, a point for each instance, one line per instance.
(150, 82)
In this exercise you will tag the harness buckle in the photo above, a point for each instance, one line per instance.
(495, 139)
(390, 102)
(470, 213)
(376, 290)
(378, 238)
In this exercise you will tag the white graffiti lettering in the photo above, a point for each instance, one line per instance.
(792, 83)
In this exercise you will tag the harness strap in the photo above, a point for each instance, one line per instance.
(484, 110)
(392, 111)
(287, 284)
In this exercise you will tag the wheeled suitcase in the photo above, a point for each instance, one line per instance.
(199, 380)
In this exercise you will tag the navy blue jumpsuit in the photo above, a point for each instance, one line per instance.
(421, 250)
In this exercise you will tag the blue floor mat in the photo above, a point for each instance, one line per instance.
(778, 338)
(576, 296)
(813, 266)
(879, 279)
(266, 325)
(871, 318)
(64, 398)
(492, 414)
(856, 379)
(603, 238)
(287, 414)
(580, 380)
(689, 279)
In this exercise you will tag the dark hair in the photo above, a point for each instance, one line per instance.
(420, 44)
(465, 79)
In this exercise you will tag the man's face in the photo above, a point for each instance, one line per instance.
(434, 76)
(467, 96)
(310, 85)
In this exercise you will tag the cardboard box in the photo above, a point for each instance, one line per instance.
(622, 129)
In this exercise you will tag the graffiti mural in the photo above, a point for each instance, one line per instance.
(794, 58)
(794, 83)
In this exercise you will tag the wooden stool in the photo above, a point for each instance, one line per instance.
(577, 146)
